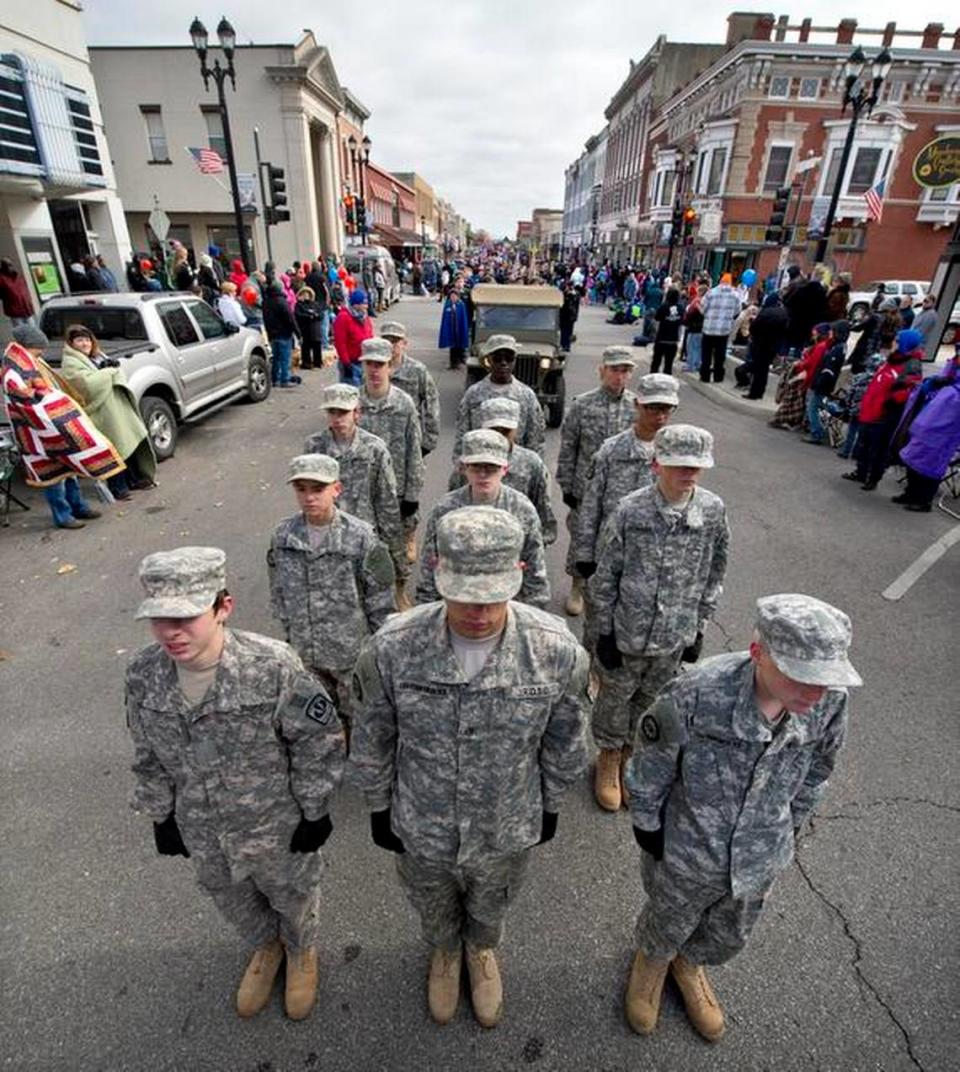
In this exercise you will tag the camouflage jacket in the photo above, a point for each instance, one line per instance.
(330, 597)
(621, 465)
(532, 431)
(657, 584)
(728, 786)
(264, 746)
(369, 484)
(527, 473)
(536, 584)
(469, 766)
(414, 379)
(590, 419)
(394, 419)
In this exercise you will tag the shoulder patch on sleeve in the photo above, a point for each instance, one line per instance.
(308, 700)
(378, 563)
(662, 724)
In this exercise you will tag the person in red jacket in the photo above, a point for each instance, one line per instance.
(350, 328)
(882, 407)
(14, 296)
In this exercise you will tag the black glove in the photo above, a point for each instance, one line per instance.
(168, 839)
(549, 827)
(381, 833)
(311, 834)
(408, 508)
(692, 652)
(608, 653)
(586, 569)
(424, 453)
(650, 841)
(571, 500)
(109, 362)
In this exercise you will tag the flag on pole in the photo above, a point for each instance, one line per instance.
(209, 161)
(874, 200)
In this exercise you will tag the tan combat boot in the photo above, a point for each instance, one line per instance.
(301, 992)
(403, 600)
(443, 984)
(606, 779)
(486, 989)
(701, 1003)
(574, 603)
(257, 982)
(625, 753)
(644, 990)
(411, 548)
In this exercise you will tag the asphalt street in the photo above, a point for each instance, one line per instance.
(112, 958)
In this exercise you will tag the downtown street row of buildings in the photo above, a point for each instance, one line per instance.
(93, 141)
(716, 130)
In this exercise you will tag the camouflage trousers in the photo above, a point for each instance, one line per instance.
(570, 563)
(462, 904)
(267, 905)
(401, 567)
(339, 684)
(702, 921)
(626, 693)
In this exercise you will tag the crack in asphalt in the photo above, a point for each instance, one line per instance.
(727, 639)
(856, 962)
(886, 802)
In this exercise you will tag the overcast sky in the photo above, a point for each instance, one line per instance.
(489, 100)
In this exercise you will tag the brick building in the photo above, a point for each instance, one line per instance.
(582, 186)
(391, 210)
(726, 141)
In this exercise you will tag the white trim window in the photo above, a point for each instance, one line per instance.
(778, 166)
(156, 135)
(809, 88)
(713, 158)
(779, 87)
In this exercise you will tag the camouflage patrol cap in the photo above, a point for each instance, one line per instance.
(478, 555)
(498, 342)
(807, 639)
(319, 467)
(393, 329)
(617, 355)
(483, 446)
(340, 396)
(181, 583)
(499, 413)
(656, 387)
(684, 445)
(376, 350)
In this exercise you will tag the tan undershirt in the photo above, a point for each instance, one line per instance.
(195, 684)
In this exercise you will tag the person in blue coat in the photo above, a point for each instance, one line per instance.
(455, 329)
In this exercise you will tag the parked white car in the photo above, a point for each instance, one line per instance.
(861, 300)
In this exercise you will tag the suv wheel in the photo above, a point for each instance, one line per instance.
(258, 378)
(161, 426)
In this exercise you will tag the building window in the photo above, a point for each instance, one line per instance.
(214, 121)
(864, 171)
(894, 91)
(780, 87)
(810, 88)
(156, 135)
(83, 133)
(18, 146)
(718, 163)
(701, 163)
(778, 167)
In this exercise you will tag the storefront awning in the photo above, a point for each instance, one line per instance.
(397, 236)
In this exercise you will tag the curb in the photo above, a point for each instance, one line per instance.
(764, 410)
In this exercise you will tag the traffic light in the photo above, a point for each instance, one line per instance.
(676, 221)
(777, 227)
(361, 210)
(689, 219)
(349, 206)
(276, 213)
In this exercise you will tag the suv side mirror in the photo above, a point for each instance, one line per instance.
(230, 328)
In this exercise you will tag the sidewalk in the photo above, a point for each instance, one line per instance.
(728, 394)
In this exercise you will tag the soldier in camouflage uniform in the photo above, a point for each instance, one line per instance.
(730, 761)
(526, 471)
(366, 468)
(621, 465)
(499, 354)
(484, 463)
(590, 419)
(389, 413)
(470, 727)
(659, 576)
(331, 579)
(237, 751)
(414, 379)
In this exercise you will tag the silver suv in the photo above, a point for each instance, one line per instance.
(181, 360)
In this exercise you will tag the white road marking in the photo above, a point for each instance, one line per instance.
(919, 567)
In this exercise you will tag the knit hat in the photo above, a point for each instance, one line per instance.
(909, 340)
(30, 337)
(358, 297)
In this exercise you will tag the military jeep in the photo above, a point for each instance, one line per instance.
(532, 316)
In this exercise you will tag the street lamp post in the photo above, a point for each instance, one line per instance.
(360, 155)
(859, 95)
(228, 41)
(684, 162)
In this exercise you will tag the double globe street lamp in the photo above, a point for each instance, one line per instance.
(860, 95)
(228, 42)
(360, 157)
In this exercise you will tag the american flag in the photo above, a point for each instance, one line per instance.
(874, 200)
(209, 161)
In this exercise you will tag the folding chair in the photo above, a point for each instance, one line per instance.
(950, 485)
(8, 468)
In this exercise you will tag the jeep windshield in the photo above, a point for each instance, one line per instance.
(511, 318)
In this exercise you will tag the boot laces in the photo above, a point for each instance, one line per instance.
(484, 959)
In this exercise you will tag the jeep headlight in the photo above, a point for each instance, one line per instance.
(544, 363)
